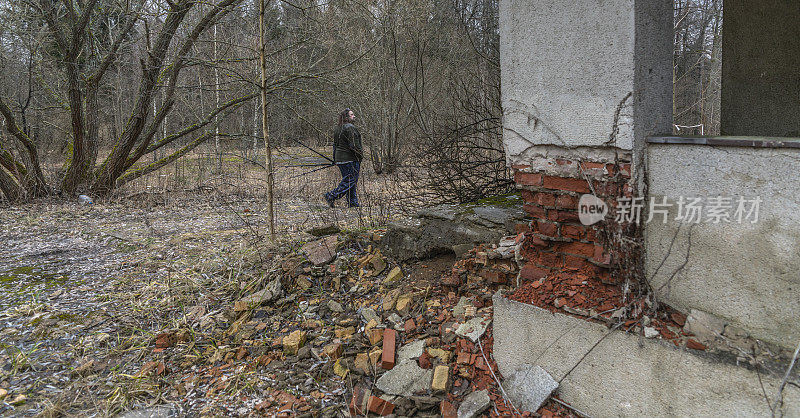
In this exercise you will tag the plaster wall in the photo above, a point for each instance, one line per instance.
(745, 273)
(625, 374)
(573, 73)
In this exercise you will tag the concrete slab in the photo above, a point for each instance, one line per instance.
(529, 387)
(627, 375)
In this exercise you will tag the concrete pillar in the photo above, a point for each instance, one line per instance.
(761, 68)
(584, 83)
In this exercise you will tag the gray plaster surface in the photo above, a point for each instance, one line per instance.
(626, 375)
(584, 73)
(411, 351)
(474, 328)
(745, 273)
(475, 403)
(405, 379)
(529, 387)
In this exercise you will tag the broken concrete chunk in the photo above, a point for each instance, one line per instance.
(335, 306)
(410, 351)
(704, 326)
(321, 251)
(395, 319)
(529, 387)
(444, 212)
(461, 306)
(270, 292)
(474, 328)
(650, 332)
(369, 314)
(405, 379)
(475, 403)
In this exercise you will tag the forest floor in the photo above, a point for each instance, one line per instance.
(142, 307)
(86, 288)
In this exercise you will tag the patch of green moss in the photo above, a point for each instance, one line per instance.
(20, 278)
(504, 201)
(69, 317)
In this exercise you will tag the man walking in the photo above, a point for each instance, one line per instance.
(347, 154)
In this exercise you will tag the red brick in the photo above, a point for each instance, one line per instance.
(527, 196)
(568, 184)
(379, 406)
(565, 201)
(600, 255)
(572, 231)
(535, 211)
(563, 216)
(678, 318)
(561, 161)
(576, 248)
(495, 277)
(606, 189)
(591, 234)
(571, 261)
(593, 168)
(547, 228)
(625, 170)
(410, 326)
(358, 403)
(530, 272)
(522, 228)
(544, 199)
(528, 179)
(550, 259)
(537, 242)
(695, 345)
(387, 358)
(447, 410)
(612, 169)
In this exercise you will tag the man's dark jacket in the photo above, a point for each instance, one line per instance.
(347, 144)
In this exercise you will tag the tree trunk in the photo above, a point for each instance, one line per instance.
(264, 124)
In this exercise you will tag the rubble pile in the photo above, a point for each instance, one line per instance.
(345, 331)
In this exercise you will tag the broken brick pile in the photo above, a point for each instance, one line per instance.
(555, 238)
(342, 330)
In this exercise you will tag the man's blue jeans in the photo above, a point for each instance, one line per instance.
(347, 186)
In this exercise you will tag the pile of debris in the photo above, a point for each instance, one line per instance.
(342, 330)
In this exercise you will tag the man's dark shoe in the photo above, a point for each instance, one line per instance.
(327, 200)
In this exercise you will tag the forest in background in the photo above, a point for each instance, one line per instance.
(97, 95)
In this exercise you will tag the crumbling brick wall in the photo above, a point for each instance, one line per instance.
(555, 239)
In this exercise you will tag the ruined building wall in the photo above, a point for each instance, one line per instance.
(583, 84)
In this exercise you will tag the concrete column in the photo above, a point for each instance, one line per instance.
(761, 68)
(584, 83)
(591, 73)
